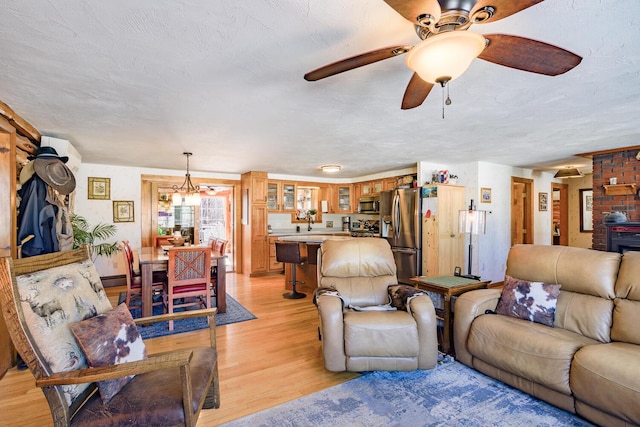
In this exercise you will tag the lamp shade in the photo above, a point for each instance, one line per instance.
(444, 57)
(472, 222)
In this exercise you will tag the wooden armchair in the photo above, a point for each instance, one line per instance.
(41, 296)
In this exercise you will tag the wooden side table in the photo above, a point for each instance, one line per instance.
(448, 287)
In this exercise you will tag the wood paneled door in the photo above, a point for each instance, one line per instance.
(521, 210)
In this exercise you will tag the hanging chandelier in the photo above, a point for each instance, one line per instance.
(190, 191)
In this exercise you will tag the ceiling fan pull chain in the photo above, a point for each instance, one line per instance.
(442, 90)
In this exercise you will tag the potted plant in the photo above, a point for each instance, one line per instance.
(83, 233)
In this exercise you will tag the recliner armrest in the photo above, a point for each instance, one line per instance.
(422, 309)
(330, 311)
(468, 306)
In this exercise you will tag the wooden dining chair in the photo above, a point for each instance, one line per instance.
(188, 278)
(218, 246)
(134, 281)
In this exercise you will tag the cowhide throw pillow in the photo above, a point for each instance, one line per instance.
(109, 339)
(401, 295)
(534, 301)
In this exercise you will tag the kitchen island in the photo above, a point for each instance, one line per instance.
(306, 274)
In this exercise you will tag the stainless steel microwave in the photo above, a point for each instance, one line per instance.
(369, 205)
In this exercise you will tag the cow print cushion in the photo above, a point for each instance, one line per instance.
(109, 339)
(401, 295)
(534, 301)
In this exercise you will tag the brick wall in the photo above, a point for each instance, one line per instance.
(625, 167)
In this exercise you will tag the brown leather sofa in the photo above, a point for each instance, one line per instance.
(589, 362)
(360, 271)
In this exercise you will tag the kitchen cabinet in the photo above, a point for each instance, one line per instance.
(442, 244)
(255, 246)
(274, 265)
(281, 196)
(357, 193)
(288, 197)
(340, 198)
(389, 184)
(273, 196)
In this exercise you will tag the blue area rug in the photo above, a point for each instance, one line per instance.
(450, 395)
(235, 313)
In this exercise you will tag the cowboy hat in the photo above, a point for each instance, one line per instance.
(48, 152)
(51, 169)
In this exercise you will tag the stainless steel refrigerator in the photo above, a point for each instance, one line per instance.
(400, 224)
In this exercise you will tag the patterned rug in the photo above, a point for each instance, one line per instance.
(235, 313)
(450, 395)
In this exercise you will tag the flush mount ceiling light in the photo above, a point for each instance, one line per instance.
(331, 168)
(190, 191)
(569, 172)
(444, 57)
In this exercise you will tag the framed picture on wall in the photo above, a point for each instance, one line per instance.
(586, 210)
(485, 195)
(122, 211)
(543, 201)
(99, 188)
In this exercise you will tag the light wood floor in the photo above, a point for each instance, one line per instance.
(262, 363)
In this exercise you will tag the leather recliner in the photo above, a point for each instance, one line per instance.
(360, 270)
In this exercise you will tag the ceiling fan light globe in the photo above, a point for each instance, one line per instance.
(445, 55)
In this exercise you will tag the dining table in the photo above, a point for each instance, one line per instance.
(156, 259)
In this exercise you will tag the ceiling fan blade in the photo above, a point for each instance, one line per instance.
(412, 10)
(502, 8)
(356, 61)
(528, 55)
(416, 92)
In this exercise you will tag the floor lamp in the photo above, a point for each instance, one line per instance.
(472, 222)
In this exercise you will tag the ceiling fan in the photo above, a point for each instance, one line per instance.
(447, 48)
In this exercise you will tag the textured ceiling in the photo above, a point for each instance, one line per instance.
(139, 82)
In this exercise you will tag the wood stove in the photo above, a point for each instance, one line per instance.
(623, 237)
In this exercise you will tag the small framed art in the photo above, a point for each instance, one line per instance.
(485, 195)
(543, 201)
(122, 211)
(99, 188)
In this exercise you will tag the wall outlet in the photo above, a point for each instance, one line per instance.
(329, 224)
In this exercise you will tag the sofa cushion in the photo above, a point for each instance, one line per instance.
(530, 350)
(380, 334)
(109, 339)
(534, 301)
(607, 377)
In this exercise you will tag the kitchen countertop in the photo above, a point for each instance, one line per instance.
(303, 232)
(313, 238)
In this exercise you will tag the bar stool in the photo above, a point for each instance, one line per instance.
(289, 252)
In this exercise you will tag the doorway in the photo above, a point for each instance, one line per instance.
(217, 215)
(560, 214)
(521, 210)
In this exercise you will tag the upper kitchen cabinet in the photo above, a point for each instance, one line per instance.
(273, 196)
(281, 196)
(257, 187)
(340, 198)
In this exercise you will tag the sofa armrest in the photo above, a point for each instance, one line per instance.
(468, 306)
(330, 311)
(424, 313)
